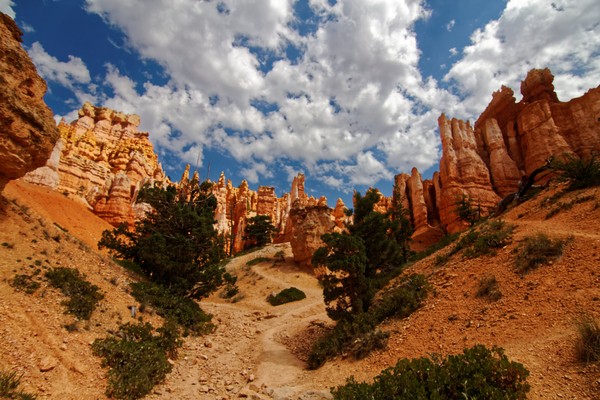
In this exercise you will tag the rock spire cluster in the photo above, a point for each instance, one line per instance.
(102, 159)
(507, 142)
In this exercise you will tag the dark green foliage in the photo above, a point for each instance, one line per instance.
(343, 340)
(260, 230)
(25, 283)
(466, 211)
(568, 205)
(485, 239)
(581, 173)
(257, 260)
(83, 296)
(358, 336)
(176, 245)
(403, 300)
(588, 342)
(346, 289)
(182, 310)
(537, 250)
(380, 234)
(9, 387)
(478, 373)
(286, 296)
(129, 265)
(489, 288)
(137, 358)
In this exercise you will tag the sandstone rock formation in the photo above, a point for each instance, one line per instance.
(509, 141)
(235, 206)
(309, 224)
(102, 159)
(28, 132)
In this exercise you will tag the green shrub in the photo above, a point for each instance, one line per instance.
(359, 336)
(9, 387)
(537, 250)
(402, 301)
(341, 340)
(137, 358)
(580, 173)
(489, 288)
(129, 265)
(286, 296)
(83, 296)
(172, 306)
(25, 283)
(490, 237)
(477, 373)
(588, 343)
(257, 260)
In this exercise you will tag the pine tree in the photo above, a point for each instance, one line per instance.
(176, 245)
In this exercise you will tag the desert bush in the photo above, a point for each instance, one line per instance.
(568, 205)
(9, 387)
(580, 172)
(137, 358)
(466, 210)
(403, 300)
(172, 306)
(588, 342)
(489, 288)
(537, 250)
(83, 296)
(25, 283)
(286, 296)
(477, 373)
(258, 260)
(490, 237)
(358, 336)
(341, 339)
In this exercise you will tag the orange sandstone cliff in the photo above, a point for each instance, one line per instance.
(27, 128)
(507, 142)
(104, 160)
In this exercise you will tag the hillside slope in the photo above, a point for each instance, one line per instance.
(252, 351)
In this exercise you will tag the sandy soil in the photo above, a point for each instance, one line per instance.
(253, 351)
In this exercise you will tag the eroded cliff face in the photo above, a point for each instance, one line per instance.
(236, 205)
(508, 141)
(103, 159)
(28, 132)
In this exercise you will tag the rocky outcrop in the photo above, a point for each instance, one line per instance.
(28, 132)
(508, 141)
(102, 159)
(309, 224)
(462, 172)
(235, 206)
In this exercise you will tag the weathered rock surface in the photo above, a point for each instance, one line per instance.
(309, 224)
(235, 206)
(28, 132)
(509, 140)
(104, 160)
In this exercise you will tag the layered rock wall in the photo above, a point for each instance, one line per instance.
(28, 132)
(104, 160)
(508, 141)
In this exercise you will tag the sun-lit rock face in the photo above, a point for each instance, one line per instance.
(28, 133)
(509, 140)
(309, 224)
(236, 205)
(103, 159)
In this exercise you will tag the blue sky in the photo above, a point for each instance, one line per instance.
(347, 92)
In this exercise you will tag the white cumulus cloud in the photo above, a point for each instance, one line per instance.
(67, 73)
